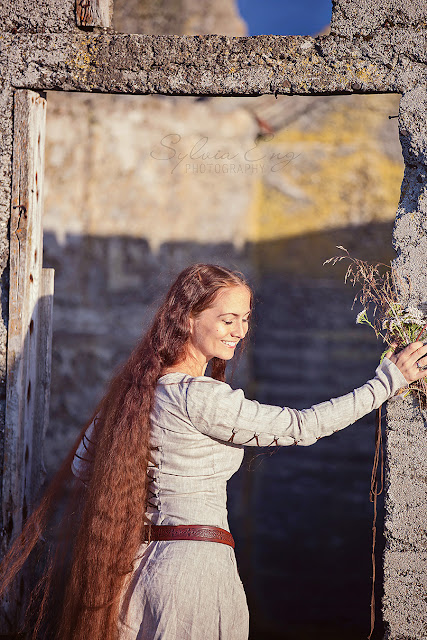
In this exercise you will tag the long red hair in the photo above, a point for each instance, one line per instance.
(109, 515)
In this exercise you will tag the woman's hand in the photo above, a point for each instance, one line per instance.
(406, 360)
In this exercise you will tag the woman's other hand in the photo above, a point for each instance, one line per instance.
(408, 358)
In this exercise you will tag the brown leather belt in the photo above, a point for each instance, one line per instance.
(201, 532)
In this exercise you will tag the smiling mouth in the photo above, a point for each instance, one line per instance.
(231, 345)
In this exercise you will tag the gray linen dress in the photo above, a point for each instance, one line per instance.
(191, 590)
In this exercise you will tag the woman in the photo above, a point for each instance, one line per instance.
(164, 440)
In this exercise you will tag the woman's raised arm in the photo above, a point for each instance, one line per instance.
(217, 410)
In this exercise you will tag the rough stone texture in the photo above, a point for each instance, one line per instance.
(368, 18)
(405, 557)
(405, 585)
(217, 65)
(35, 16)
(410, 238)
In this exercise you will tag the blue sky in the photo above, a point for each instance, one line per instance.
(285, 17)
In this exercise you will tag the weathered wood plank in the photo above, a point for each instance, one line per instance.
(44, 359)
(93, 13)
(24, 356)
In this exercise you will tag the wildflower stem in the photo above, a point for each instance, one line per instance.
(398, 321)
(421, 332)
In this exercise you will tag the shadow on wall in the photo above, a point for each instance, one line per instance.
(301, 517)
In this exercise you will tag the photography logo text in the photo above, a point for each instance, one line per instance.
(201, 157)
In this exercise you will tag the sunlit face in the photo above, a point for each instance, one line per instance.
(216, 331)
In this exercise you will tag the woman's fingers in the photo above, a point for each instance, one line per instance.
(407, 359)
(418, 361)
(418, 350)
(420, 364)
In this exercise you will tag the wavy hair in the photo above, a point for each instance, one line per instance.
(109, 518)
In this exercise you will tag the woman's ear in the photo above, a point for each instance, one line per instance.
(191, 323)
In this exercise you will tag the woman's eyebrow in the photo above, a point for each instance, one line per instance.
(230, 313)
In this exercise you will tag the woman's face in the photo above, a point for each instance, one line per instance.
(216, 331)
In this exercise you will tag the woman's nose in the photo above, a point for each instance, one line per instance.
(239, 330)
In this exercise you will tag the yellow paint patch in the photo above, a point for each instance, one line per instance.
(341, 178)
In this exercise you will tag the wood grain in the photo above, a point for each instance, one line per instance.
(93, 13)
(29, 330)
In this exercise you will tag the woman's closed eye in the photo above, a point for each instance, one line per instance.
(245, 320)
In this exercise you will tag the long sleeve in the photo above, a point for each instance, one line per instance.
(82, 464)
(220, 412)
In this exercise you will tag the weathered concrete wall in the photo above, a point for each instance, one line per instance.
(405, 558)
(364, 18)
(34, 16)
(217, 65)
(411, 219)
(405, 586)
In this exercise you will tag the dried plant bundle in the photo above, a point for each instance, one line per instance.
(392, 320)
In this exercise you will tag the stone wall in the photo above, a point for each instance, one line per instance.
(405, 559)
